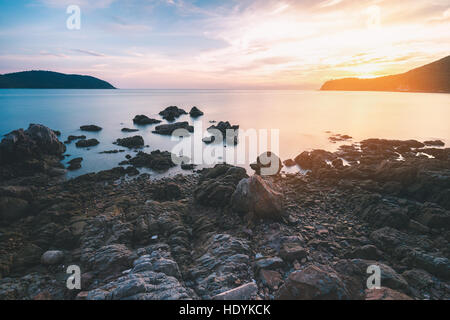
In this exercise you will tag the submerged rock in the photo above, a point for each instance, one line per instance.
(75, 164)
(90, 128)
(195, 112)
(168, 129)
(87, 143)
(131, 142)
(129, 130)
(144, 120)
(171, 113)
(156, 160)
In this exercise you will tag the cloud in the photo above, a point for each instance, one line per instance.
(91, 4)
(89, 52)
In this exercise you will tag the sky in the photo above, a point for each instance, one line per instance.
(224, 44)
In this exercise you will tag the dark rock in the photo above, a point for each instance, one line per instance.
(269, 263)
(313, 160)
(292, 251)
(267, 164)
(156, 160)
(195, 112)
(171, 113)
(90, 128)
(435, 143)
(217, 185)
(270, 278)
(209, 140)
(36, 142)
(168, 129)
(129, 130)
(87, 143)
(144, 120)
(225, 132)
(72, 138)
(13, 208)
(131, 142)
(75, 164)
(167, 192)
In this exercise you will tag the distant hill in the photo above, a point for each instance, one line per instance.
(433, 77)
(51, 80)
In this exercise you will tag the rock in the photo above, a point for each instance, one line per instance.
(144, 120)
(270, 278)
(440, 266)
(90, 128)
(167, 192)
(36, 142)
(52, 257)
(156, 160)
(226, 132)
(131, 142)
(87, 143)
(110, 259)
(153, 277)
(217, 185)
(289, 163)
(368, 252)
(209, 140)
(313, 283)
(168, 129)
(434, 143)
(111, 151)
(172, 112)
(195, 112)
(267, 164)
(225, 260)
(385, 294)
(256, 196)
(269, 263)
(420, 279)
(247, 291)
(72, 138)
(27, 256)
(13, 208)
(292, 251)
(129, 130)
(314, 160)
(188, 166)
(74, 164)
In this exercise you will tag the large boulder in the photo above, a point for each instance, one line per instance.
(195, 112)
(90, 128)
(229, 133)
(156, 160)
(36, 142)
(256, 196)
(313, 283)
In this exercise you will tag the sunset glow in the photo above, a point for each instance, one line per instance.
(224, 44)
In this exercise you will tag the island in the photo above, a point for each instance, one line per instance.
(50, 80)
(433, 77)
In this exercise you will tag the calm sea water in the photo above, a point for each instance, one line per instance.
(302, 117)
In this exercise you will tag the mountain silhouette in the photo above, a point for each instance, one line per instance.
(433, 77)
(51, 80)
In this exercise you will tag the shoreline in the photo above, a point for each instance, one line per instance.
(195, 236)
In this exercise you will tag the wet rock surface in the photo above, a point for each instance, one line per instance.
(144, 120)
(90, 128)
(171, 113)
(86, 143)
(168, 129)
(131, 142)
(182, 238)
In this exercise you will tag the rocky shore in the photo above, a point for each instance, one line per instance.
(221, 234)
